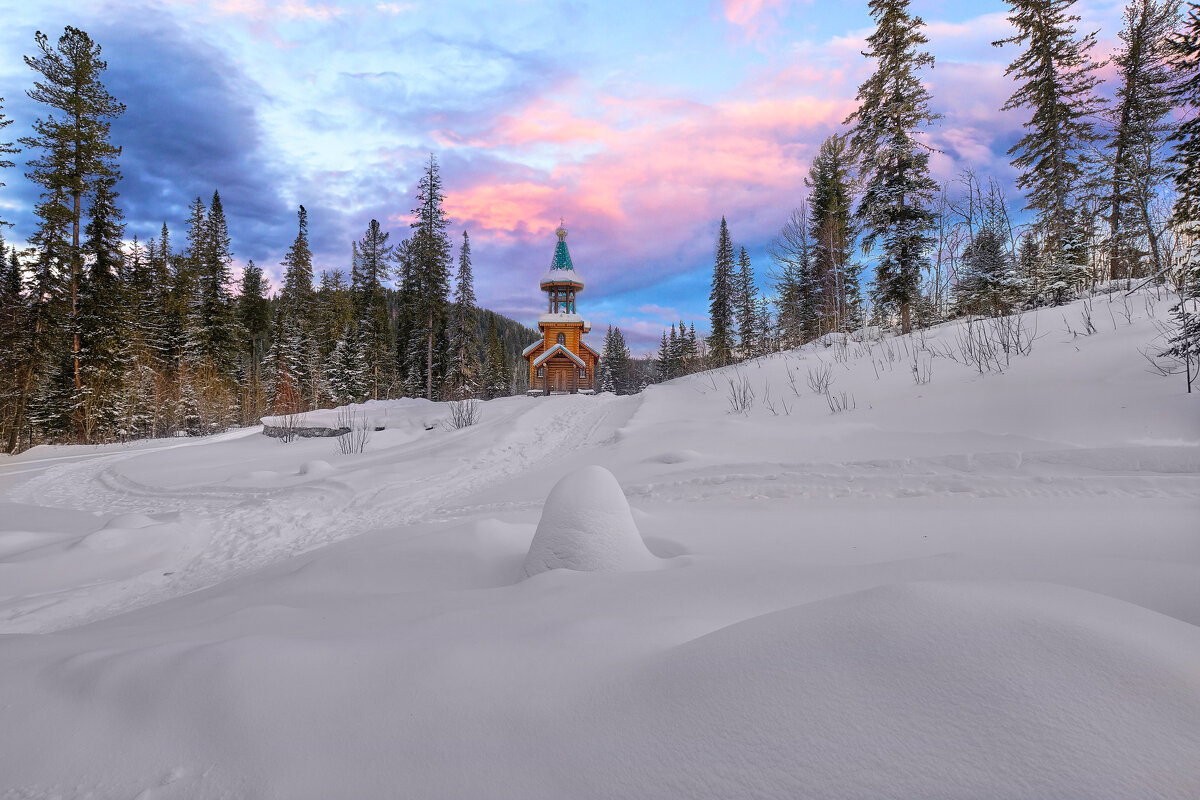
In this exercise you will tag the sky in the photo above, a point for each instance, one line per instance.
(639, 123)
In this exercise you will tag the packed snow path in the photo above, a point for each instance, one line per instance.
(243, 525)
(972, 582)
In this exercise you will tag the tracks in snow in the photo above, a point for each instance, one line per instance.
(248, 528)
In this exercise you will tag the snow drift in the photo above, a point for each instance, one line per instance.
(998, 690)
(586, 525)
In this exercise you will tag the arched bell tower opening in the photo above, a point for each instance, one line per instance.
(561, 363)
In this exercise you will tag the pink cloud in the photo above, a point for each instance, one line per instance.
(754, 16)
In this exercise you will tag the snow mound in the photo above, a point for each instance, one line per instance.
(998, 690)
(315, 467)
(586, 525)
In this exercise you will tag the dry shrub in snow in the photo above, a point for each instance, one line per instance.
(464, 413)
(741, 394)
(355, 431)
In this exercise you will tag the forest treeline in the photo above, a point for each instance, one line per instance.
(1111, 193)
(109, 338)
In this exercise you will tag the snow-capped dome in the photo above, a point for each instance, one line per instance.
(586, 525)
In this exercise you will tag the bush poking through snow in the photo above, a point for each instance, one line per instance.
(464, 413)
(289, 428)
(820, 378)
(922, 372)
(357, 431)
(586, 525)
(840, 403)
(741, 394)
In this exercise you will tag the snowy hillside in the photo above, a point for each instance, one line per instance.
(951, 572)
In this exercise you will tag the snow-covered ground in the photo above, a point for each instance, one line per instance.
(984, 585)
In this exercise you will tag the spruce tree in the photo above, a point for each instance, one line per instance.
(1140, 124)
(347, 369)
(1184, 342)
(76, 154)
(893, 105)
(137, 404)
(13, 334)
(47, 317)
(615, 373)
(430, 255)
(721, 298)
(186, 289)
(664, 355)
(292, 355)
(831, 283)
(746, 296)
(495, 367)
(1185, 160)
(215, 319)
(791, 253)
(1057, 86)
(99, 323)
(372, 255)
(254, 317)
(463, 371)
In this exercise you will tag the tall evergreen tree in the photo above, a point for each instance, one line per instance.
(464, 365)
(102, 317)
(48, 314)
(293, 353)
(1185, 160)
(76, 154)
(430, 254)
(721, 299)
(746, 298)
(254, 316)
(834, 280)
(215, 318)
(1140, 126)
(1057, 85)
(495, 366)
(1185, 59)
(893, 105)
(372, 254)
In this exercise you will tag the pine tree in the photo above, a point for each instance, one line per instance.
(254, 316)
(795, 286)
(721, 298)
(185, 290)
(894, 165)
(1140, 126)
(495, 366)
(1185, 62)
(664, 355)
(47, 317)
(100, 320)
(1058, 84)
(463, 372)
(293, 352)
(76, 154)
(615, 373)
(832, 278)
(13, 335)
(1184, 342)
(745, 299)
(215, 320)
(347, 369)
(430, 255)
(372, 255)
